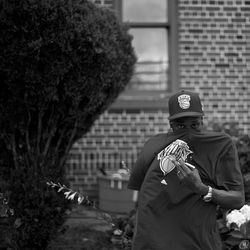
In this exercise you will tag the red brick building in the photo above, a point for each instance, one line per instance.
(198, 45)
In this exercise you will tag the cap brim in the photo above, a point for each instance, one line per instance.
(185, 114)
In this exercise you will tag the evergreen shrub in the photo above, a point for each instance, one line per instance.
(62, 63)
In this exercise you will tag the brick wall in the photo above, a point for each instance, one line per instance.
(116, 136)
(214, 60)
(214, 57)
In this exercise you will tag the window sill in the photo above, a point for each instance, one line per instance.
(141, 100)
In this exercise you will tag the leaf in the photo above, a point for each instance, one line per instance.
(80, 199)
(17, 223)
(72, 196)
(67, 194)
(60, 189)
(236, 234)
(117, 232)
(232, 241)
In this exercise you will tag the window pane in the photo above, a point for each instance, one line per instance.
(144, 10)
(151, 49)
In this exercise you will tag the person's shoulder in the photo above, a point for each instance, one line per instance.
(217, 136)
(157, 138)
(155, 143)
(216, 133)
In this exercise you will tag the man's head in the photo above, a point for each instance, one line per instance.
(185, 111)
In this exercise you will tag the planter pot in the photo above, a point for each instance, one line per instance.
(114, 196)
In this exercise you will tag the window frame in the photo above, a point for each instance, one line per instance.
(153, 99)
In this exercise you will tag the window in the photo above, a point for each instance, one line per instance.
(153, 25)
(148, 24)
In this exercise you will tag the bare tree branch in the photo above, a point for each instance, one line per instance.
(39, 132)
(14, 150)
(69, 145)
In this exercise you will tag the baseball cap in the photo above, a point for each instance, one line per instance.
(184, 104)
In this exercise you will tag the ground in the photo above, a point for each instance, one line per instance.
(85, 229)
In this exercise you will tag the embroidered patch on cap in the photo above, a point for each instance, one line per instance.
(184, 101)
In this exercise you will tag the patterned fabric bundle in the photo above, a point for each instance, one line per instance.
(177, 150)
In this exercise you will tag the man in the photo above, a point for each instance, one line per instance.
(182, 177)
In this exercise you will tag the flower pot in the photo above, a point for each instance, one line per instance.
(114, 196)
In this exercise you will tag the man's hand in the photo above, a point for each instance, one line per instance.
(190, 177)
(230, 199)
